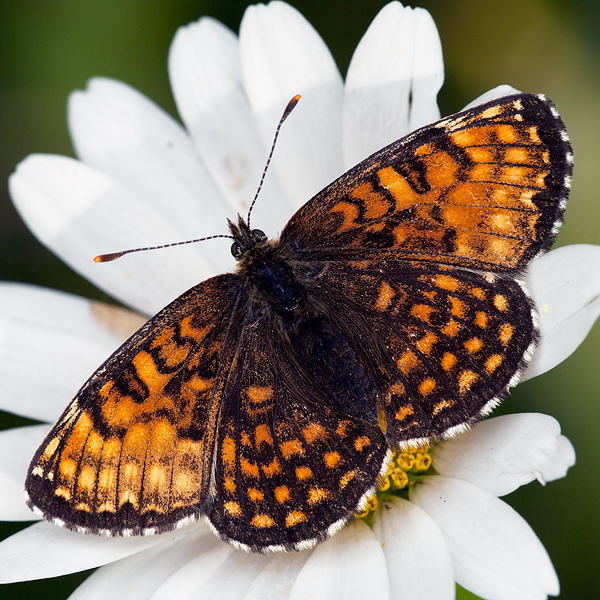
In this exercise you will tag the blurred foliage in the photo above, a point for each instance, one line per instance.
(50, 47)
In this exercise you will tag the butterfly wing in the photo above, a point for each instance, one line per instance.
(132, 452)
(290, 466)
(484, 189)
(443, 344)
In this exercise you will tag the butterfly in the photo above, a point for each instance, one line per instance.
(390, 312)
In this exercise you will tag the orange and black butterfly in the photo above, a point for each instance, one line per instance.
(389, 312)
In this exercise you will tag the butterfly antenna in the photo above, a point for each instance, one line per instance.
(113, 256)
(286, 113)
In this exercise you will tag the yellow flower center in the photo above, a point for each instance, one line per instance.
(405, 466)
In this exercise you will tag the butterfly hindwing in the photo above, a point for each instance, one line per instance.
(290, 468)
(132, 452)
(485, 188)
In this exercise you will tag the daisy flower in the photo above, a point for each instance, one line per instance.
(142, 177)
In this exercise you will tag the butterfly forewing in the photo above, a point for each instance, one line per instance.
(132, 452)
(484, 189)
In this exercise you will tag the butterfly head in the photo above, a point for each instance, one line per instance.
(244, 238)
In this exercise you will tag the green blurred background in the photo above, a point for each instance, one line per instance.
(49, 48)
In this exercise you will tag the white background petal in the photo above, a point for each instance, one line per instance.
(501, 454)
(17, 447)
(45, 550)
(79, 212)
(349, 565)
(282, 55)
(275, 581)
(399, 56)
(565, 285)
(138, 576)
(497, 92)
(418, 560)
(496, 555)
(206, 77)
(119, 131)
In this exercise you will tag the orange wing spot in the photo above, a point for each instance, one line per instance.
(63, 492)
(534, 136)
(262, 521)
(473, 345)
(386, 293)
(294, 517)
(314, 432)
(442, 405)
(506, 333)
(316, 495)
(506, 134)
(500, 302)
(376, 204)
(290, 448)
(426, 343)
(517, 155)
(147, 371)
(481, 319)
(448, 361)
(196, 384)
(398, 389)
(361, 443)
(465, 381)
(248, 468)
(128, 496)
(493, 362)
(282, 494)
(262, 434)
(442, 170)
(458, 307)
(403, 412)
(427, 386)
(255, 495)
(448, 283)
(273, 468)
(257, 394)
(303, 473)
(480, 154)
(422, 312)
(477, 292)
(502, 223)
(483, 172)
(398, 186)
(106, 388)
(228, 452)
(451, 328)
(407, 362)
(430, 295)
(229, 484)
(67, 469)
(233, 509)
(245, 439)
(347, 478)
(188, 330)
(332, 459)
(157, 477)
(349, 212)
(342, 428)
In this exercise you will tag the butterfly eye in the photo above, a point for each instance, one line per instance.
(236, 250)
(259, 235)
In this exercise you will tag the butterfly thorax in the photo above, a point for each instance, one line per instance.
(267, 270)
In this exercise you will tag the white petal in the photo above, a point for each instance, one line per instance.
(282, 55)
(565, 285)
(416, 553)
(206, 77)
(45, 550)
(393, 79)
(218, 572)
(79, 212)
(275, 580)
(138, 576)
(493, 94)
(66, 337)
(349, 565)
(495, 553)
(501, 454)
(119, 131)
(17, 447)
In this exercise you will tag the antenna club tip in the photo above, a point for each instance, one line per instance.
(102, 258)
(290, 107)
